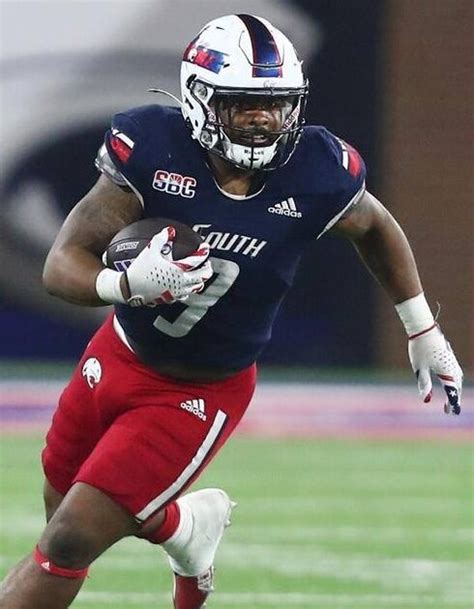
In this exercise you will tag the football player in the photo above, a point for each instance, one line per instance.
(160, 388)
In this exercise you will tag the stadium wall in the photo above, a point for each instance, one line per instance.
(427, 177)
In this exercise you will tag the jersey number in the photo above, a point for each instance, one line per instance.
(198, 305)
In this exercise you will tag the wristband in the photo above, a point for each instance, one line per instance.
(107, 286)
(415, 314)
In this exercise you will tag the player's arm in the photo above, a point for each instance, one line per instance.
(385, 250)
(74, 261)
(383, 246)
(74, 270)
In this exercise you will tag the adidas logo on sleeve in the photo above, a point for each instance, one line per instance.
(286, 208)
(196, 407)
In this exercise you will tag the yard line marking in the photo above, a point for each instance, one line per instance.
(271, 599)
(443, 576)
(278, 534)
(412, 505)
(407, 574)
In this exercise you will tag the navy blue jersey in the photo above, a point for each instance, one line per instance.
(256, 241)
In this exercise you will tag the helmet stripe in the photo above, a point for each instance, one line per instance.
(266, 56)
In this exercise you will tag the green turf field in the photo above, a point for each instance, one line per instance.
(320, 525)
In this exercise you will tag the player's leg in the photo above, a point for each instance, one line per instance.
(85, 524)
(194, 524)
(190, 534)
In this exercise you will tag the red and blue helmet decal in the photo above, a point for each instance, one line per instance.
(204, 57)
(267, 62)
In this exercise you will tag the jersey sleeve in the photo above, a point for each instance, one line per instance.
(347, 179)
(118, 156)
(105, 165)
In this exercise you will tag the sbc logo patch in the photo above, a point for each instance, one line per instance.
(92, 372)
(174, 183)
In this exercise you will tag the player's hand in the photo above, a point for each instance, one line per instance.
(430, 351)
(155, 278)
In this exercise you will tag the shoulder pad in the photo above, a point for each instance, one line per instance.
(350, 158)
(123, 138)
(343, 172)
(105, 165)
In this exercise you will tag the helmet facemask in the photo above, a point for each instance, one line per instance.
(254, 148)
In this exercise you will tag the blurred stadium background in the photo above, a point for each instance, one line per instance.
(351, 493)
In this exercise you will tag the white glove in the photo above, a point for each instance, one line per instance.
(154, 278)
(428, 351)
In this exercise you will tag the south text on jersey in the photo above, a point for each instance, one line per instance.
(228, 242)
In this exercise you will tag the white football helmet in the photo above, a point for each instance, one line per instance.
(232, 58)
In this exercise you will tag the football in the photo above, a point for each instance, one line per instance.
(131, 240)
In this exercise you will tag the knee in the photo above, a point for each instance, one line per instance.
(66, 545)
(85, 525)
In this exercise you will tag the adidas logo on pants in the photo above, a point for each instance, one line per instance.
(196, 407)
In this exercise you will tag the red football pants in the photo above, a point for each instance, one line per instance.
(139, 437)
